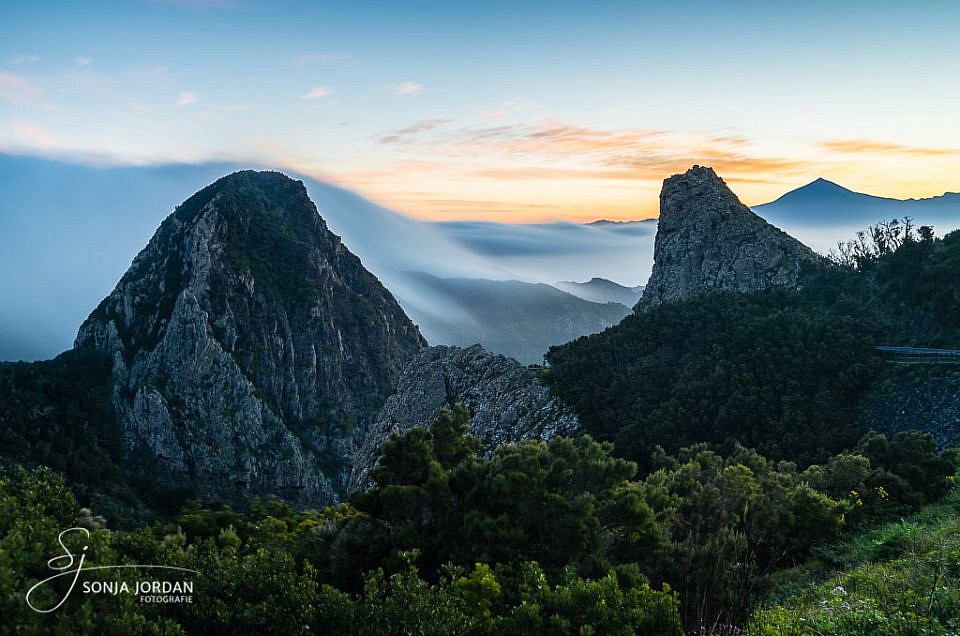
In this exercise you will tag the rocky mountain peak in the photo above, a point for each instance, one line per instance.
(250, 348)
(707, 239)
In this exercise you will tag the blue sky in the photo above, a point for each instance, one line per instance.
(496, 110)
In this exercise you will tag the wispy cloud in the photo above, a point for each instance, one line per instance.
(83, 61)
(547, 173)
(557, 138)
(407, 88)
(559, 151)
(186, 98)
(653, 169)
(869, 146)
(317, 92)
(409, 133)
(740, 166)
(20, 59)
(16, 89)
(508, 108)
(496, 113)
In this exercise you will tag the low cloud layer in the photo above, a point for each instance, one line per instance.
(70, 231)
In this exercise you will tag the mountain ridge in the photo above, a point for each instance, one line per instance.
(823, 212)
(602, 290)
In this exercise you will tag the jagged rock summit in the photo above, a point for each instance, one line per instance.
(250, 348)
(707, 239)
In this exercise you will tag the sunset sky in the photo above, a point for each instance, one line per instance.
(508, 111)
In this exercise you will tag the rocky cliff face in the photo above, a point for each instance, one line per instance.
(507, 400)
(707, 239)
(250, 348)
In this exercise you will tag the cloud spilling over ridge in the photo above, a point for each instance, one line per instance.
(69, 232)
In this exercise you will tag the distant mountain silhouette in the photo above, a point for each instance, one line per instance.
(820, 191)
(601, 290)
(824, 202)
(822, 212)
(521, 320)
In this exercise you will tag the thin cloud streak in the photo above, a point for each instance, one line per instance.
(318, 92)
(16, 90)
(28, 134)
(21, 59)
(588, 153)
(407, 88)
(186, 98)
(857, 146)
(409, 133)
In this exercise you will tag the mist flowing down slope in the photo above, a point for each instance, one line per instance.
(70, 230)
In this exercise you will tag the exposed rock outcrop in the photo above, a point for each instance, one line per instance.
(250, 348)
(507, 400)
(707, 239)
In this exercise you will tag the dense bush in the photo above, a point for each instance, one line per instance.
(773, 371)
(883, 478)
(541, 538)
(35, 507)
(57, 413)
(566, 502)
(453, 542)
(733, 521)
(914, 274)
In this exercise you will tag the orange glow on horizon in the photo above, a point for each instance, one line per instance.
(549, 171)
(584, 201)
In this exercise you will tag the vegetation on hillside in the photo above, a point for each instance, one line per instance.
(913, 274)
(731, 490)
(541, 538)
(902, 577)
(779, 370)
(57, 413)
(772, 370)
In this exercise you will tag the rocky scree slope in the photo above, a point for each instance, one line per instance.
(508, 403)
